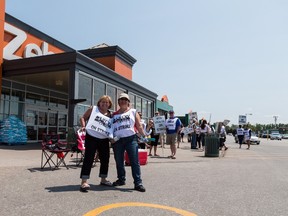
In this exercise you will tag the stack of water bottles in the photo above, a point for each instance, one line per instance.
(13, 131)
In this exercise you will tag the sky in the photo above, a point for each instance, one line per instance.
(219, 58)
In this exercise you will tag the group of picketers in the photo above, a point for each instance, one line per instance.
(244, 135)
(199, 130)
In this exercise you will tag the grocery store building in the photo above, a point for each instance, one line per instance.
(49, 85)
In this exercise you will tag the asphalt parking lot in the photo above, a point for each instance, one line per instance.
(243, 182)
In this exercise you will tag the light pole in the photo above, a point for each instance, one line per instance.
(275, 119)
(246, 117)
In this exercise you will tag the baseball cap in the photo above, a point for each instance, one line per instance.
(171, 111)
(124, 95)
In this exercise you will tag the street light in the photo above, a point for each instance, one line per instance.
(275, 119)
(246, 116)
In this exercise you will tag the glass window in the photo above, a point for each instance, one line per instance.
(62, 104)
(138, 104)
(149, 110)
(31, 133)
(42, 100)
(99, 90)
(17, 95)
(62, 120)
(31, 98)
(132, 100)
(53, 119)
(31, 118)
(4, 106)
(111, 91)
(79, 111)
(18, 86)
(62, 132)
(5, 94)
(17, 109)
(85, 89)
(53, 102)
(144, 108)
(42, 118)
(41, 130)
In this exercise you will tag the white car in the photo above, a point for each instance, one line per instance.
(254, 139)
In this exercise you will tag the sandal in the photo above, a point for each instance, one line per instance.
(106, 183)
(84, 187)
(173, 157)
(156, 155)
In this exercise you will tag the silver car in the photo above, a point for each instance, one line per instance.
(275, 136)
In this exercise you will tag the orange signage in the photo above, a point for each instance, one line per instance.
(20, 44)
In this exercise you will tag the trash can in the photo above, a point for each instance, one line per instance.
(211, 146)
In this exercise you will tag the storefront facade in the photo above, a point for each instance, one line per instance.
(49, 85)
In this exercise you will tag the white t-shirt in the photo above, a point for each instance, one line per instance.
(206, 130)
(240, 131)
(123, 124)
(99, 125)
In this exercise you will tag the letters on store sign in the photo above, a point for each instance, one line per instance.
(31, 50)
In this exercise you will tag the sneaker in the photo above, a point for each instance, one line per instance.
(140, 188)
(119, 183)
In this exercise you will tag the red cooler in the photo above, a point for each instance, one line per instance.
(142, 155)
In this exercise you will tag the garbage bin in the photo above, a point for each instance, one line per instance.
(211, 146)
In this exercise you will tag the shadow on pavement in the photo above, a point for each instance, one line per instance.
(68, 188)
(22, 147)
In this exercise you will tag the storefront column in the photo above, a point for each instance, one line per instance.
(2, 21)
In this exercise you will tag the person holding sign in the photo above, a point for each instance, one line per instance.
(96, 121)
(173, 127)
(125, 120)
(153, 144)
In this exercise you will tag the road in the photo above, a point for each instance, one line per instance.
(244, 182)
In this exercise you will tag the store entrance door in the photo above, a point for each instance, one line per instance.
(39, 122)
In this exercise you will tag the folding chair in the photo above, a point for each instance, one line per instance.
(80, 146)
(80, 135)
(52, 146)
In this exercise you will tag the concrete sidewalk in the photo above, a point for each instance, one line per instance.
(30, 155)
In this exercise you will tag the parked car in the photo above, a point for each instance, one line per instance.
(254, 139)
(275, 136)
(284, 136)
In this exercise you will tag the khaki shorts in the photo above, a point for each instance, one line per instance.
(171, 139)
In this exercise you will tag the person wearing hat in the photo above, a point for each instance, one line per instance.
(124, 121)
(173, 127)
(153, 144)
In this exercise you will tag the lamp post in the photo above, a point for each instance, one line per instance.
(275, 119)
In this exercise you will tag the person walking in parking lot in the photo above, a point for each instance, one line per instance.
(247, 135)
(222, 136)
(240, 134)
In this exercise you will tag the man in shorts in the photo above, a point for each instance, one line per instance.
(173, 127)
